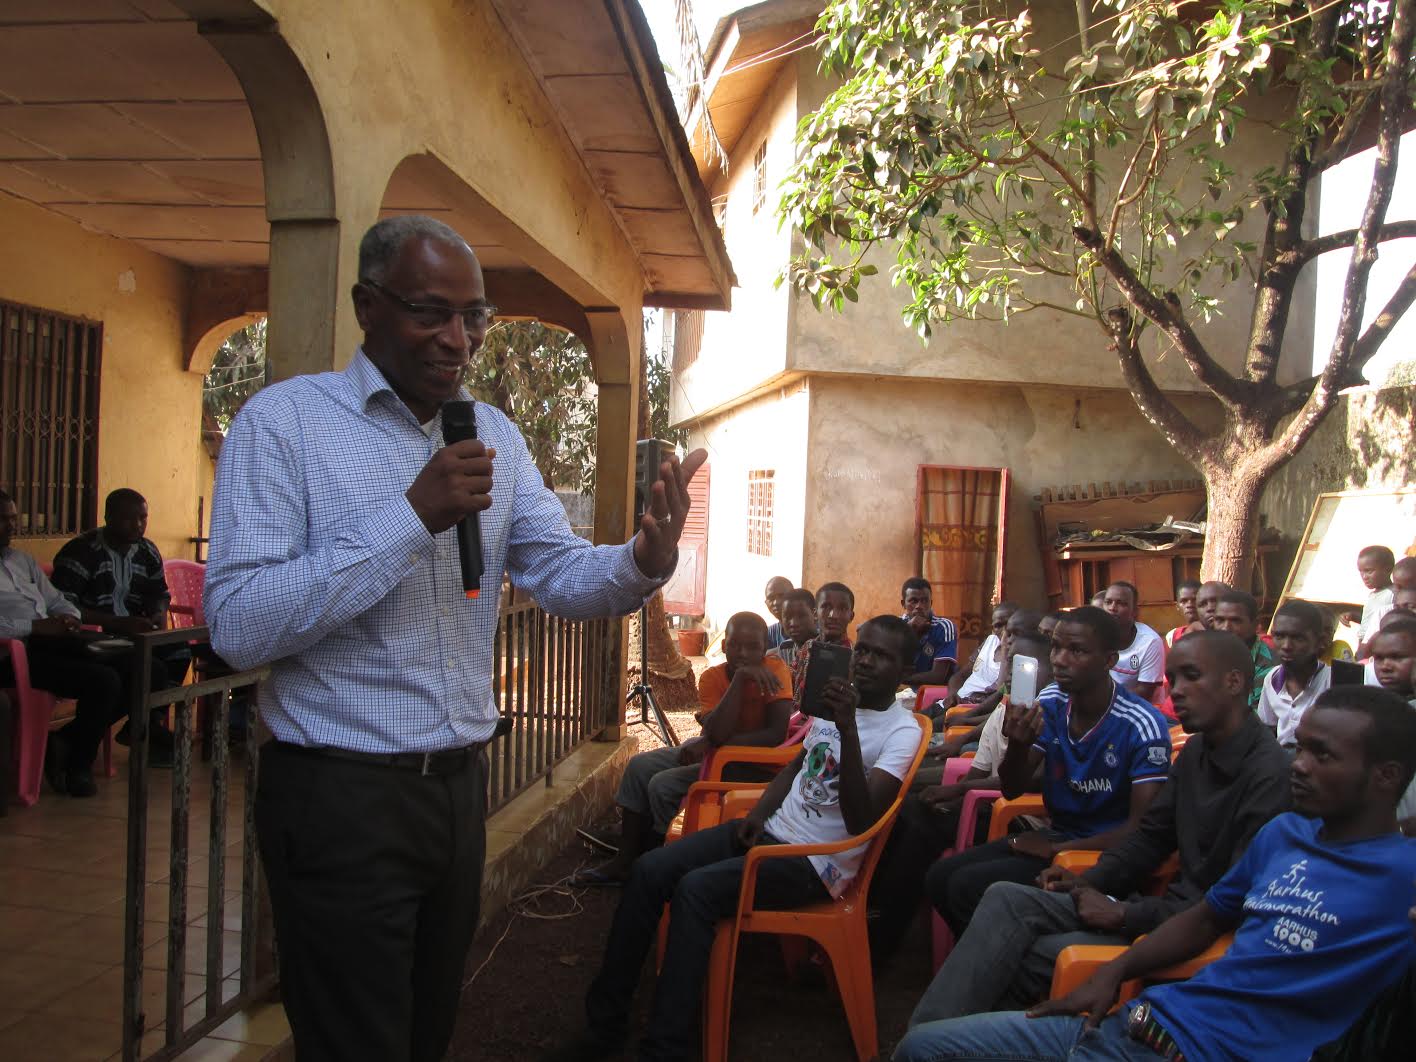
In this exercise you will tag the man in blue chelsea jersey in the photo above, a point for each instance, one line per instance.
(1103, 751)
(1317, 905)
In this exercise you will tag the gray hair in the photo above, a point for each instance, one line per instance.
(385, 239)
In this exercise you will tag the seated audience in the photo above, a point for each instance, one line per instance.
(1317, 903)
(1228, 781)
(1301, 677)
(938, 637)
(1207, 603)
(1104, 754)
(114, 574)
(981, 673)
(1394, 657)
(1185, 592)
(847, 775)
(798, 624)
(745, 701)
(1022, 621)
(1238, 613)
(835, 609)
(1140, 664)
(778, 587)
(59, 661)
(1375, 565)
(929, 818)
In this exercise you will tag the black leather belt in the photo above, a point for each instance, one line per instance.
(449, 761)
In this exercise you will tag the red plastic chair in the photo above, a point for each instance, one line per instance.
(34, 710)
(941, 936)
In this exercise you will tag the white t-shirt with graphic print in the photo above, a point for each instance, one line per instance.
(811, 812)
(1141, 661)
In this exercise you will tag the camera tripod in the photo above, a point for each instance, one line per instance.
(642, 694)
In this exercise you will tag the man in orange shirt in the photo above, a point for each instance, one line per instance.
(745, 701)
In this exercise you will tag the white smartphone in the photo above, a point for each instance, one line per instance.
(1022, 686)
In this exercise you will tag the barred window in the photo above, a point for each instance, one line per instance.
(759, 511)
(49, 373)
(759, 177)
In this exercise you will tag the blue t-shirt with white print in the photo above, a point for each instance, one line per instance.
(1324, 930)
(1086, 781)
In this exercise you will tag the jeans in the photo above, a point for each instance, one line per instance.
(700, 877)
(956, 885)
(1004, 959)
(1014, 1037)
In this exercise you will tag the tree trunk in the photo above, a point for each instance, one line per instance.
(1232, 527)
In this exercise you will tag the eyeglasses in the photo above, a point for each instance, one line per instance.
(433, 316)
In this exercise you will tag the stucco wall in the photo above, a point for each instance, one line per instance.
(745, 348)
(150, 406)
(1367, 442)
(767, 433)
(869, 436)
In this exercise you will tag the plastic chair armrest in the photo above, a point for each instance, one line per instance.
(968, 816)
(1077, 860)
(1193, 965)
(951, 732)
(1005, 811)
(1076, 964)
(767, 756)
(703, 794)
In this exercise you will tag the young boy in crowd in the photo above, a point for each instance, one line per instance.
(1229, 780)
(848, 773)
(775, 596)
(798, 624)
(1104, 754)
(1206, 602)
(1048, 624)
(835, 608)
(1289, 690)
(1238, 613)
(1394, 656)
(1374, 564)
(745, 701)
(929, 819)
(1140, 664)
(938, 637)
(1318, 906)
(1022, 621)
(974, 680)
(1185, 592)
(1403, 599)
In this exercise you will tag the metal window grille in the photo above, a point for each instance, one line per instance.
(49, 375)
(760, 507)
(688, 338)
(759, 177)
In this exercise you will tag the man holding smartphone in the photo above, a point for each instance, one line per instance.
(849, 771)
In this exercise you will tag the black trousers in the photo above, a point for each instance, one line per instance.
(99, 689)
(957, 884)
(375, 877)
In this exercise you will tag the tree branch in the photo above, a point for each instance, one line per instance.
(1381, 326)
(1167, 315)
(1153, 403)
(1336, 241)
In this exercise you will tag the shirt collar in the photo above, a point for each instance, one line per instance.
(369, 382)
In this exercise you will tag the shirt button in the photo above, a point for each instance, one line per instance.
(451, 664)
(414, 558)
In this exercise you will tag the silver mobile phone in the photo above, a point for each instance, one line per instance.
(1022, 686)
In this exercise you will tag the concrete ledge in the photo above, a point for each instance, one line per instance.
(530, 831)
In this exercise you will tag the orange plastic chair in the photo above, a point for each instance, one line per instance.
(1077, 963)
(1080, 860)
(838, 927)
(1005, 811)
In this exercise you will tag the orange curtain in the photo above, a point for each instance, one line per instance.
(959, 512)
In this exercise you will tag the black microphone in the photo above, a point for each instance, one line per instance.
(459, 423)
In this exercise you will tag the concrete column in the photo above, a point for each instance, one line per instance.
(614, 339)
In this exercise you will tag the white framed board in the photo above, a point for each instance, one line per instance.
(1341, 525)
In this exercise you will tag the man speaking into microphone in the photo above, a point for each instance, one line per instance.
(334, 559)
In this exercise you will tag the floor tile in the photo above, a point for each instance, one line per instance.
(213, 1050)
(28, 980)
(102, 998)
(58, 890)
(97, 937)
(40, 1038)
(22, 927)
(194, 951)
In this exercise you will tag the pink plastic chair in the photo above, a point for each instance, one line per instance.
(33, 711)
(185, 580)
(942, 937)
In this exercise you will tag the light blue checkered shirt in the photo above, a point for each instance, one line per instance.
(319, 567)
